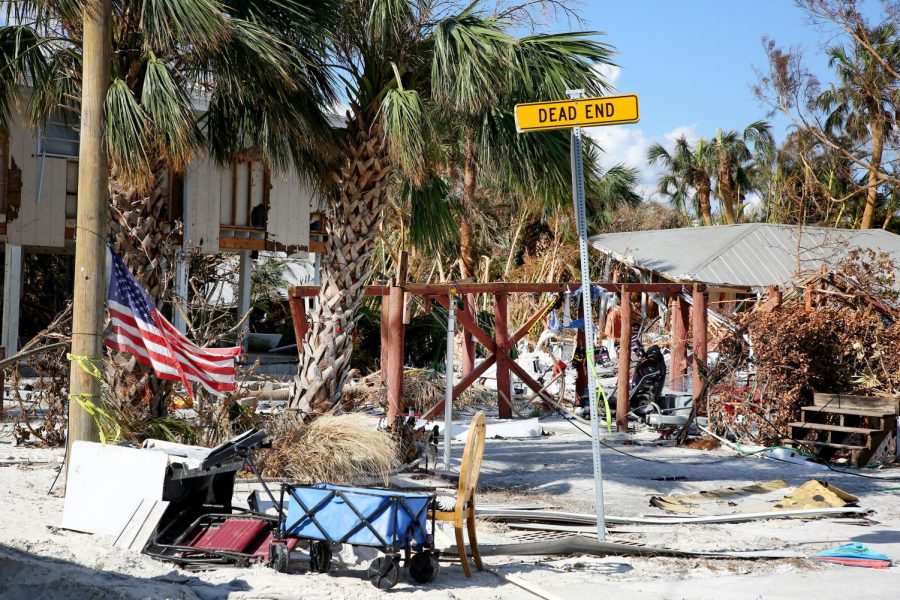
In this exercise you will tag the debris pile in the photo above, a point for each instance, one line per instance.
(422, 389)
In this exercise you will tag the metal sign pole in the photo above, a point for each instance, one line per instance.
(581, 219)
(448, 383)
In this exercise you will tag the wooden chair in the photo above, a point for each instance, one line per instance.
(464, 509)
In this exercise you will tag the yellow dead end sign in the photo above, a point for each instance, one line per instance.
(581, 112)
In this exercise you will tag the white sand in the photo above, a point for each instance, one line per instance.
(38, 560)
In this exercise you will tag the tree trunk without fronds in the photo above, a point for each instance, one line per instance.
(136, 228)
(874, 168)
(350, 235)
(704, 190)
(466, 235)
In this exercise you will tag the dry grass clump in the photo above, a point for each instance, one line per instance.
(337, 449)
(422, 389)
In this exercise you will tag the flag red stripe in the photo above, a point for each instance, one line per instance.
(167, 359)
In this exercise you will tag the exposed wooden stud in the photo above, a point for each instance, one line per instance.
(468, 342)
(501, 337)
(700, 319)
(385, 336)
(680, 318)
(298, 312)
(396, 338)
(623, 382)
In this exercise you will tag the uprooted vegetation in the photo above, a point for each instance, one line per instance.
(846, 342)
(331, 448)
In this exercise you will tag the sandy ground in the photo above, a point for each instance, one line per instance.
(39, 560)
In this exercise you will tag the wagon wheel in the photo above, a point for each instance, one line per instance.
(384, 572)
(424, 567)
(319, 557)
(279, 557)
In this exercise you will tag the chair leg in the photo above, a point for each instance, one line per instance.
(473, 541)
(461, 547)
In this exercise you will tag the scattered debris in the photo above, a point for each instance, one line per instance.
(684, 503)
(855, 555)
(817, 494)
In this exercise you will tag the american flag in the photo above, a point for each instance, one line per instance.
(138, 328)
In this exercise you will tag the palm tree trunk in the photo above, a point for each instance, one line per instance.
(466, 235)
(135, 228)
(874, 169)
(357, 208)
(704, 191)
(727, 192)
(514, 244)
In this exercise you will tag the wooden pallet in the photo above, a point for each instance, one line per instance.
(854, 424)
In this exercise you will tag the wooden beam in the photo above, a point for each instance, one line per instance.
(700, 318)
(470, 325)
(385, 336)
(298, 315)
(501, 337)
(528, 380)
(468, 342)
(581, 376)
(680, 317)
(524, 329)
(623, 383)
(396, 338)
(442, 289)
(462, 386)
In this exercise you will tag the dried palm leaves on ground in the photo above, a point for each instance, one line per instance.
(422, 389)
(332, 448)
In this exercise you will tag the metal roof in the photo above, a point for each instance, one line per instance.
(752, 254)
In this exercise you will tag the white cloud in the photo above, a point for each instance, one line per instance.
(627, 145)
(609, 73)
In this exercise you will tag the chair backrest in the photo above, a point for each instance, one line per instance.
(470, 467)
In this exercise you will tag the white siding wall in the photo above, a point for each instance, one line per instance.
(203, 183)
(290, 200)
(41, 222)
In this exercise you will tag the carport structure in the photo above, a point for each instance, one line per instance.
(498, 347)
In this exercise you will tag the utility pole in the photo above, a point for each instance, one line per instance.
(92, 223)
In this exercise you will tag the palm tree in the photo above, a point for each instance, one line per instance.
(255, 68)
(863, 103)
(688, 176)
(482, 143)
(735, 152)
(411, 68)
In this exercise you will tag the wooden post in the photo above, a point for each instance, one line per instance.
(468, 342)
(808, 296)
(396, 338)
(774, 293)
(623, 387)
(92, 221)
(501, 337)
(680, 318)
(700, 327)
(298, 316)
(385, 336)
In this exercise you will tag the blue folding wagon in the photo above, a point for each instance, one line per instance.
(388, 520)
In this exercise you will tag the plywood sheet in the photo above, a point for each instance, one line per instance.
(203, 187)
(290, 200)
(106, 484)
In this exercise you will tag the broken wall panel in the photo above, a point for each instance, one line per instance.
(290, 202)
(37, 221)
(203, 182)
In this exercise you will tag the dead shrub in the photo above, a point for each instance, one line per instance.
(337, 449)
(797, 352)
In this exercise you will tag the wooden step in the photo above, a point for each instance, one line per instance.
(847, 411)
(840, 428)
(823, 444)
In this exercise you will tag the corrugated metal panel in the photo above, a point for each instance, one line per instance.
(203, 188)
(289, 208)
(754, 254)
(41, 221)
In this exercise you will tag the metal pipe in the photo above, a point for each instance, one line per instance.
(448, 382)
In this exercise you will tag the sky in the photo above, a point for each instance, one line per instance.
(692, 63)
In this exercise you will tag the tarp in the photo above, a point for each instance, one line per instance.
(858, 555)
